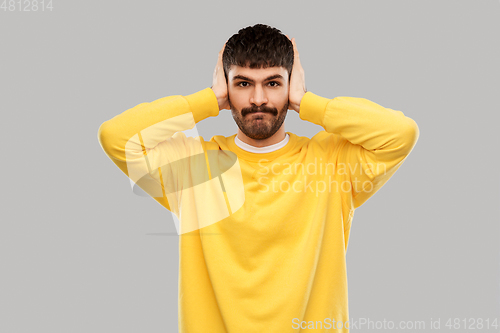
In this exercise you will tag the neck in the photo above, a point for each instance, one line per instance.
(275, 138)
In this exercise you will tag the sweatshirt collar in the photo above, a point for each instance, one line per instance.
(251, 156)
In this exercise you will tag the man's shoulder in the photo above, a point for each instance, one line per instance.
(324, 142)
(322, 138)
(220, 141)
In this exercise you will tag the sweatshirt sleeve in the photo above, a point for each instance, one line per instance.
(145, 140)
(374, 141)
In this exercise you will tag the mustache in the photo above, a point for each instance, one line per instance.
(254, 109)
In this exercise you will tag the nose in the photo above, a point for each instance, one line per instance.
(259, 96)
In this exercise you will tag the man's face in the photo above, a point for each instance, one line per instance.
(258, 99)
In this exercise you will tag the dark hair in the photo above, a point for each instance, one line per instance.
(258, 46)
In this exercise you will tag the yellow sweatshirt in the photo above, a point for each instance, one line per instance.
(263, 236)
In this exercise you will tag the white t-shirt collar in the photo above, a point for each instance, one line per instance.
(267, 149)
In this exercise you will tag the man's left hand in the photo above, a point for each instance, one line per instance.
(297, 86)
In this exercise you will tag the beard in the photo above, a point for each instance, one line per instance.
(259, 127)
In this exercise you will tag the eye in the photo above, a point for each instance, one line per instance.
(272, 83)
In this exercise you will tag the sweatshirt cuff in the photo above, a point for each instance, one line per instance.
(313, 108)
(203, 104)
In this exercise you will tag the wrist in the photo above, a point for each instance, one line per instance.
(295, 105)
(313, 108)
(221, 100)
(203, 104)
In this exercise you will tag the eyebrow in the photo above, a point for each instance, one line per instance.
(272, 77)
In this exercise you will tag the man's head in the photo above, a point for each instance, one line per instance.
(258, 62)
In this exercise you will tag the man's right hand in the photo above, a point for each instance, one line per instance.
(219, 85)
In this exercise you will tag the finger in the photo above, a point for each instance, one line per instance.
(218, 69)
(222, 50)
(219, 58)
(295, 50)
(294, 45)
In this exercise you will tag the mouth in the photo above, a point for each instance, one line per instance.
(258, 113)
(258, 116)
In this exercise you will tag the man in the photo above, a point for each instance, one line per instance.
(264, 215)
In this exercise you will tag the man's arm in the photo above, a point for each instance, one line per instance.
(372, 141)
(145, 138)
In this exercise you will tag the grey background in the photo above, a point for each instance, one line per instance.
(80, 252)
